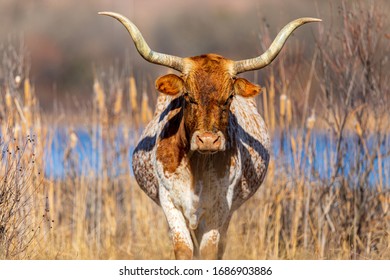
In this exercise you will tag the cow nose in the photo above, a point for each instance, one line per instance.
(208, 142)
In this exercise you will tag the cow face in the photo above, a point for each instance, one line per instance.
(208, 88)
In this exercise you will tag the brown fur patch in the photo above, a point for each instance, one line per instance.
(209, 89)
(209, 84)
(181, 249)
(172, 145)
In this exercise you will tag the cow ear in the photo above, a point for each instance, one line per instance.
(245, 88)
(170, 84)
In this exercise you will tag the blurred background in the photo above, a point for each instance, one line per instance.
(64, 39)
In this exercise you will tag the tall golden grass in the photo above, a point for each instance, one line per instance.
(95, 210)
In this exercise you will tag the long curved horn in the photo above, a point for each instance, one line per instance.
(142, 47)
(269, 55)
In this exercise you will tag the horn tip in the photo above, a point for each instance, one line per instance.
(304, 20)
(313, 19)
(104, 13)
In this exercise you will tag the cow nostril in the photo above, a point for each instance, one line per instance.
(200, 139)
(216, 140)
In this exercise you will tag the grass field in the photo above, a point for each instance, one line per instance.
(66, 185)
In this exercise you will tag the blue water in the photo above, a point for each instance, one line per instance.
(325, 159)
(319, 160)
(87, 156)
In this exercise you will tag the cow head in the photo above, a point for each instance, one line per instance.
(208, 84)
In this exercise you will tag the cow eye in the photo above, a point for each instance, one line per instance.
(190, 99)
(228, 100)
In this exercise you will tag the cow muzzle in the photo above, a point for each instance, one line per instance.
(208, 142)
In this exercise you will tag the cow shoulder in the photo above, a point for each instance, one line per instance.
(143, 167)
(253, 142)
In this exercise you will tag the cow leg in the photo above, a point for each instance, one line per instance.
(213, 242)
(182, 243)
(222, 240)
(181, 237)
(208, 248)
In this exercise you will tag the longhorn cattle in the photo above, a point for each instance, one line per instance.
(206, 150)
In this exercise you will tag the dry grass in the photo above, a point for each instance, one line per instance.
(95, 210)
